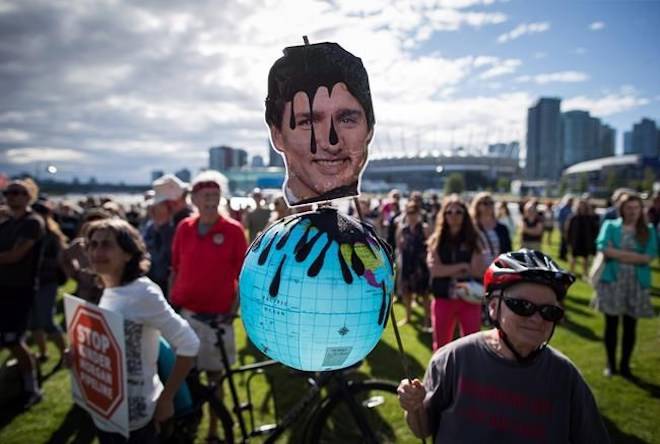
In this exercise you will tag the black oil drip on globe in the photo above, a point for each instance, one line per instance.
(339, 229)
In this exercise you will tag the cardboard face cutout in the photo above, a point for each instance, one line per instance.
(321, 120)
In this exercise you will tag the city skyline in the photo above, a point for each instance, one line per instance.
(117, 90)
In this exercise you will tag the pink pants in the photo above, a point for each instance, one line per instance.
(445, 313)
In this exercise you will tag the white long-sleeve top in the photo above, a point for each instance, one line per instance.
(147, 315)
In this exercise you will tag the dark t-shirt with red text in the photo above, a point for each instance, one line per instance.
(475, 396)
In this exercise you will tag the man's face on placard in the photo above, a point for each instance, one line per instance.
(334, 164)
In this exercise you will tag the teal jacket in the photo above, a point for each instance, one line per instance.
(610, 235)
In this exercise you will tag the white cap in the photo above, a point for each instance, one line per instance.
(168, 187)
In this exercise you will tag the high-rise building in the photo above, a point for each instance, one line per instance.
(240, 158)
(155, 174)
(509, 150)
(627, 142)
(220, 158)
(544, 147)
(607, 141)
(257, 161)
(274, 158)
(183, 174)
(577, 139)
(585, 137)
(223, 158)
(645, 138)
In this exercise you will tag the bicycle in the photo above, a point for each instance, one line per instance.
(337, 407)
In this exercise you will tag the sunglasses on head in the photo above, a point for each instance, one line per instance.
(522, 307)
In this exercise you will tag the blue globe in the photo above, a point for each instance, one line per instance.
(315, 290)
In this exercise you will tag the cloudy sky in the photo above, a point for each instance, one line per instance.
(115, 89)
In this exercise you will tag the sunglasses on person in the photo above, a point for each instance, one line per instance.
(487, 203)
(522, 307)
(456, 212)
(14, 192)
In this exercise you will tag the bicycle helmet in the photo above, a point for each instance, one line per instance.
(526, 266)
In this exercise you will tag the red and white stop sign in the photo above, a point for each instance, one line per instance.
(97, 361)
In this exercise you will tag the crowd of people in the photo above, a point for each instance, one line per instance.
(157, 264)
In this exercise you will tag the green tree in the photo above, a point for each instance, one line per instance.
(582, 183)
(563, 186)
(612, 181)
(649, 179)
(503, 185)
(455, 183)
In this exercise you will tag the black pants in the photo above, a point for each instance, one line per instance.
(563, 247)
(627, 342)
(145, 435)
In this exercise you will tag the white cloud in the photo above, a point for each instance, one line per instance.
(554, 77)
(523, 29)
(501, 67)
(606, 105)
(11, 135)
(472, 121)
(540, 55)
(596, 26)
(453, 20)
(123, 87)
(579, 51)
(44, 154)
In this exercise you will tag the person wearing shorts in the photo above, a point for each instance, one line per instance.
(207, 255)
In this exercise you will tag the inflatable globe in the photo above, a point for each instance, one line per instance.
(315, 290)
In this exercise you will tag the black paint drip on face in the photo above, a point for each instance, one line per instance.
(333, 138)
(312, 143)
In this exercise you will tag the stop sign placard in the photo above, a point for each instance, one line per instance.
(97, 361)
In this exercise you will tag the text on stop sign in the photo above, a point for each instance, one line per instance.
(98, 341)
(94, 364)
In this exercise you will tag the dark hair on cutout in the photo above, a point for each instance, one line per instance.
(306, 68)
(130, 241)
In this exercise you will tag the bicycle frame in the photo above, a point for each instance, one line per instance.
(291, 416)
(311, 398)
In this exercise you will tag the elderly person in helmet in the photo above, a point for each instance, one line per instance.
(506, 384)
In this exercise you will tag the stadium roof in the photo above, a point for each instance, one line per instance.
(599, 164)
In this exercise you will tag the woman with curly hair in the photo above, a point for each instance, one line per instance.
(118, 255)
(453, 257)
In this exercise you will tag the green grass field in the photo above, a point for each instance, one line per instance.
(631, 409)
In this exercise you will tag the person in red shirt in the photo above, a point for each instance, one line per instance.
(207, 255)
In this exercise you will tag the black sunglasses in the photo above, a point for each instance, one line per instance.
(522, 307)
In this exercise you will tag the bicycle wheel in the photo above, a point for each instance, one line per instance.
(376, 402)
